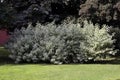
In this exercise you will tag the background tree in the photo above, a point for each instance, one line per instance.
(42, 10)
(101, 11)
(6, 14)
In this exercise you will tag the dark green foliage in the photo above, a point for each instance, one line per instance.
(6, 15)
(99, 11)
(65, 43)
(42, 10)
(117, 37)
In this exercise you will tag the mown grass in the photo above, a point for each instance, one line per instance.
(60, 72)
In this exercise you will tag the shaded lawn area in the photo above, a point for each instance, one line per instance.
(60, 72)
(3, 52)
(4, 56)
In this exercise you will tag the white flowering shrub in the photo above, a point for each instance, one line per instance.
(58, 44)
(49, 43)
(99, 44)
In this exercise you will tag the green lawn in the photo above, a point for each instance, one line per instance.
(60, 72)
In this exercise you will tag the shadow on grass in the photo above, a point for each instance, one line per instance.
(6, 60)
(11, 62)
(114, 62)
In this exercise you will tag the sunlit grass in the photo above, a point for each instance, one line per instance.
(60, 72)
